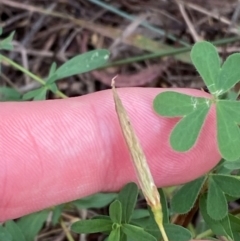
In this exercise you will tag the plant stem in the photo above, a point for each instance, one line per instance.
(66, 231)
(204, 234)
(158, 216)
(33, 76)
(165, 53)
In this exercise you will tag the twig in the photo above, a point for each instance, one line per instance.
(192, 30)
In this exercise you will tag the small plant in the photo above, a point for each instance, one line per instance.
(77, 65)
(125, 223)
(219, 79)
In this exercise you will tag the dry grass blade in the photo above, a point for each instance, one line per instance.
(144, 175)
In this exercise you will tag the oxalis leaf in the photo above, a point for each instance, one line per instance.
(219, 79)
(194, 111)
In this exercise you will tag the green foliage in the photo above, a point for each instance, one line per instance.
(164, 204)
(98, 200)
(216, 202)
(31, 224)
(124, 224)
(92, 226)
(137, 233)
(185, 198)
(25, 228)
(219, 227)
(6, 43)
(211, 192)
(57, 214)
(219, 79)
(115, 212)
(128, 204)
(5, 235)
(77, 65)
(15, 231)
(9, 94)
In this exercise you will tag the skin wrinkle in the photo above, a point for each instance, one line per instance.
(72, 124)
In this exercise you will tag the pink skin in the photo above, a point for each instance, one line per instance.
(56, 151)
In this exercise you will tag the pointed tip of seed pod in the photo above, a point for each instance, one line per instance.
(113, 81)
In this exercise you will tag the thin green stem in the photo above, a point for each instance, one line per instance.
(66, 231)
(165, 53)
(204, 234)
(33, 76)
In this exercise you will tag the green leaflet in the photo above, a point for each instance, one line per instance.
(228, 184)
(177, 233)
(184, 199)
(83, 63)
(128, 204)
(15, 231)
(219, 227)
(174, 104)
(5, 235)
(164, 204)
(92, 226)
(217, 207)
(136, 233)
(219, 79)
(207, 62)
(114, 235)
(186, 132)
(228, 133)
(37, 94)
(115, 212)
(31, 224)
(7, 42)
(98, 200)
(229, 74)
